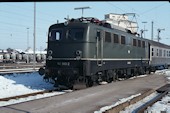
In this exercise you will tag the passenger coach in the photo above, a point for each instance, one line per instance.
(159, 55)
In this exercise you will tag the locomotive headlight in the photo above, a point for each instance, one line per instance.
(78, 53)
(50, 52)
(50, 57)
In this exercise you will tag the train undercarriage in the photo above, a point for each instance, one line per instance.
(71, 78)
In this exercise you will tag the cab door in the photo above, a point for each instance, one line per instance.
(99, 47)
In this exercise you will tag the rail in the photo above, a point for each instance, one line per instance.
(162, 90)
(27, 95)
(20, 65)
(19, 68)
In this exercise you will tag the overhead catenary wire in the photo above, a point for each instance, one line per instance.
(31, 10)
(145, 12)
(115, 6)
(21, 15)
(151, 9)
(17, 25)
(12, 24)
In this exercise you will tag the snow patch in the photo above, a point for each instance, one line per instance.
(19, 84)
(103, 109)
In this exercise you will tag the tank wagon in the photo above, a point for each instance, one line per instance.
(86, 50)
(21, 58)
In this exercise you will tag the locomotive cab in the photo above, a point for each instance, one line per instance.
(67, 47)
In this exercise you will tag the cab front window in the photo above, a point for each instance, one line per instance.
(55, 35)
(75, 34)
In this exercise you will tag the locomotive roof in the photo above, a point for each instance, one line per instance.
(153, 43)
(92, 21)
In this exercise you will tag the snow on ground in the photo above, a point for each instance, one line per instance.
(103, 109)
(130, 108)
(160, 106)
(163, 105)
(138, 76)
(19, 84)
(39, 96)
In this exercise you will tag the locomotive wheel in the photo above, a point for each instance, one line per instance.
(41, 71)
(89, 82)
(70, 87)
(70, 83)
(109, 80)
(109, 76)
(148, 70)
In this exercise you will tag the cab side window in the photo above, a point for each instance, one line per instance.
(123, 41)
(116, 38)
(107, 37)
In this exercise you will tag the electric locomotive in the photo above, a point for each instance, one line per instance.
(88, 51)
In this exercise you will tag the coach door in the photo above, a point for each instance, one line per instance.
(99, 47)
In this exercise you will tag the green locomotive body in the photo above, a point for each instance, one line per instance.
(86, 52)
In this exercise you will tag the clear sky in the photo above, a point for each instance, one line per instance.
(16, 17)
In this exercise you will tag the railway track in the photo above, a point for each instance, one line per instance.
(27, 95)
(19, 65)
(119, 107)
(19, 68)
(42, 92)
(162, 91)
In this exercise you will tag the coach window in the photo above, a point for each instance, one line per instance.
(107, 37)
(123, 40)
(160, 52)
(157, 52)
(134, 42)
(139, 43)
(152, 52)
(143, 44)
(116, 38)
(167, 53)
